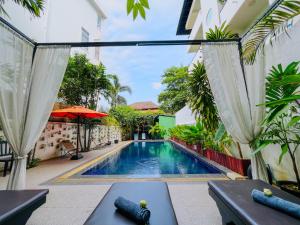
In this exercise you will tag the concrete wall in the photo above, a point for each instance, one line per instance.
(48, 146)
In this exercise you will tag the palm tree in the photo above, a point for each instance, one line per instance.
(115, 90)
(33, 6)
(201, 99)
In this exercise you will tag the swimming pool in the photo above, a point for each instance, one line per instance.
(151, 159)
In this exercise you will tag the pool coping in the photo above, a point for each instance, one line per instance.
(73, 176)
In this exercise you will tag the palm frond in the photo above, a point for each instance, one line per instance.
(201, 98)
(125, 89)
(279, 93)
(219, 33)
(33, 6)
(269, 28)
(121, 100)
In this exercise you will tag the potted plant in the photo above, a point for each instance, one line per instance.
(281, 125)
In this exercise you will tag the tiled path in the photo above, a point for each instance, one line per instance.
(72, 204)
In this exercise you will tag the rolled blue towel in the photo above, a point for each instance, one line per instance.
(277, 203)
(132, 210)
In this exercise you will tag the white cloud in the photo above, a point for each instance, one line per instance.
(156, 85)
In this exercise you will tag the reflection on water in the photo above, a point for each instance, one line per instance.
(151, 159)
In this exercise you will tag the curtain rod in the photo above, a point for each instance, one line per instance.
(115, 43)
(136, 43)
(265, 14)
(13, 28)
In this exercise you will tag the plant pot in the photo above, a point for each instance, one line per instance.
(286, 186)
(199, 149)
(190, 146)
(237, 165)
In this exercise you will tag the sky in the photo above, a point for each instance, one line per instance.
(142, 67)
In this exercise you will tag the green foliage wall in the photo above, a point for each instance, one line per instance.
(167, 122)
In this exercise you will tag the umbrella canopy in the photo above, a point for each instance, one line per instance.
(77, 111)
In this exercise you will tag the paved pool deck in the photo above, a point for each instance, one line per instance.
(69, 204)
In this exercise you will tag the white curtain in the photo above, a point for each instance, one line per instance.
(237, 95)
(28, 92)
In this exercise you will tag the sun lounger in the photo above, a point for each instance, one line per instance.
(237, 207)
(17, 206)
(67, 148)
(156, 194)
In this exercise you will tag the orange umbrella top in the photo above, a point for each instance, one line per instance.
(77, 111)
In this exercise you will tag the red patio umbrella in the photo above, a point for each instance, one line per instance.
(77, 112)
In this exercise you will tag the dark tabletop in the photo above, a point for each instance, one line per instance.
(155, 193)
(237, 196)
(13, 202)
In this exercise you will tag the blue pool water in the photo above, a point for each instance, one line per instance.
(151, 159)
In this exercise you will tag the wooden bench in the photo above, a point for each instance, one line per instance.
(6, 156)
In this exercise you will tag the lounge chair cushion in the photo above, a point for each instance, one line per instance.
(236, 204)
(17, 206)
(156, 194)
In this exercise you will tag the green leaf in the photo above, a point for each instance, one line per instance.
(220, 132)
(283, 101)
(145, 3)
(142, 11)
(135, 11)
(284, 150)
(262, 145)
(130, 5)
(291, 79)
(293, 121)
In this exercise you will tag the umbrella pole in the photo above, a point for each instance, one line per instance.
(77, 156)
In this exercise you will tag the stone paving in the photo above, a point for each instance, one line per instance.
(72, 204)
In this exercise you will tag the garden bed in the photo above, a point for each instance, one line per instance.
(239, 166)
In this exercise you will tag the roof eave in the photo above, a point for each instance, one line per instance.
(186, 8)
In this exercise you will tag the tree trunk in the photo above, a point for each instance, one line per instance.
(90, 131)
(84, 137)
(295, 169)
(240, 150)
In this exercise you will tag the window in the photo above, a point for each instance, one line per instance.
(99, 23)
(85, 37)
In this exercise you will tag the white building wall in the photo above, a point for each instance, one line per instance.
(61, 21)
(185, 116)
(33, 27)
(232, 12)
